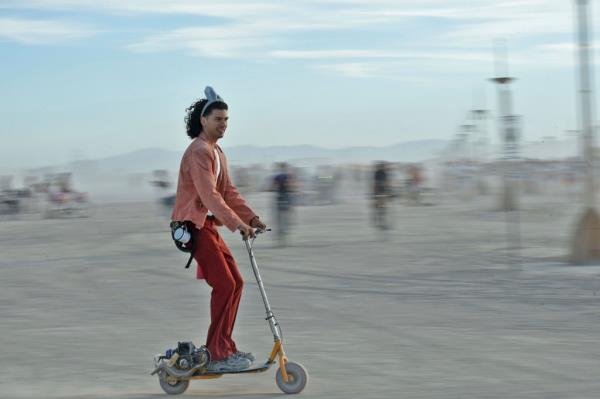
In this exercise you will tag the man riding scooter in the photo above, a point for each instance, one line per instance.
(206, 198)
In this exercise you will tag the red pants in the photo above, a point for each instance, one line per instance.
(217, 266)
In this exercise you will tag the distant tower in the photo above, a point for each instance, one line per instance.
(585, 245)
(509, 132)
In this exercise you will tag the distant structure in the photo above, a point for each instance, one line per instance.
(585, 245)
(509, 132)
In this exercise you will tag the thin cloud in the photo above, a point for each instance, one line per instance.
(28, 31)
(342, 53)
(474, 24)
(223, 8)
(352, 69)
(517, 28)
(570, 47)
(375, 54)
(229, 41)
(369, 70)
(275, 28)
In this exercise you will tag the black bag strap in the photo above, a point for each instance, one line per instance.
(193, 249)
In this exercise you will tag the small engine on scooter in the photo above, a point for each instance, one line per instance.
(187, 356)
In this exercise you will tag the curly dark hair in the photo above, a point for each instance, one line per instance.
(192, 118)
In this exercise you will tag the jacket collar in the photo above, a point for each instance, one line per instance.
(201, 137)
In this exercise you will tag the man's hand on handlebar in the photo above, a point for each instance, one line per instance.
(246, 231)
(257, 224)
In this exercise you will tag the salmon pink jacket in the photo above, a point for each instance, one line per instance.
(200, 190)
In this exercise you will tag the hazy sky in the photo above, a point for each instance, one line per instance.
(92, 78)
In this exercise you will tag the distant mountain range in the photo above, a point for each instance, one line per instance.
(146, 160)
(149, 159)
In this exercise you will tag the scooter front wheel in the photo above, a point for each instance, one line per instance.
(173, 386)
(297, 378)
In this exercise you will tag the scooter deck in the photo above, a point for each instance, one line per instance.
(254, 369)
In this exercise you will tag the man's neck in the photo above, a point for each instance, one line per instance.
(211, 140)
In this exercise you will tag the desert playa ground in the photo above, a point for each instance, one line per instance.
(436, 308)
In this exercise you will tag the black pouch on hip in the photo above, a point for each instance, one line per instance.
(183, 239)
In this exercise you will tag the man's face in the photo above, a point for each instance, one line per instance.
(215, 124)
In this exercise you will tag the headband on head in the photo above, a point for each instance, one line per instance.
(212, 98)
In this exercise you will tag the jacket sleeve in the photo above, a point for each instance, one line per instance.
(236, 202)
(200, 164)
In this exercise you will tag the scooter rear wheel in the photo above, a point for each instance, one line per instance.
(297, 378)
(171, 386)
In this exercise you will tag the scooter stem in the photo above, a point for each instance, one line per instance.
(270, 316)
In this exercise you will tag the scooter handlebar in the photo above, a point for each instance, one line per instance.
(257, 232)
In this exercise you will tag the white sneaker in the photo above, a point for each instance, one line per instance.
(244, 355)
(230, 364)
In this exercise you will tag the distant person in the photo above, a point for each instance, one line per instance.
(283, 187)
(166, 199)
(206, 199)
(381, 196)
(161, 179)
